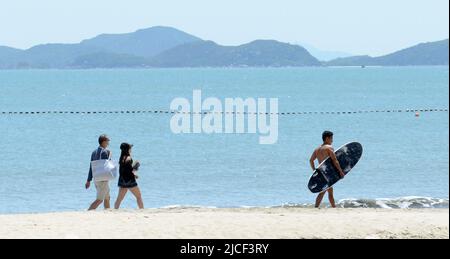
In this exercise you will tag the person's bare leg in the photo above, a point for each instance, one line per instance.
(107, 203)
(319, 199)
(137, 193)
(95, 205)
(331, 197)
(120, 197)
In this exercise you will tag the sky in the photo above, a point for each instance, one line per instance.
(373, 27)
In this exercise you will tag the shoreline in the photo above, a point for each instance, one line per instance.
(238, 223)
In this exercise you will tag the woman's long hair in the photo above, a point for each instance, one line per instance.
(125, 152)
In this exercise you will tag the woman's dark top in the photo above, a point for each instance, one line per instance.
(127, 178)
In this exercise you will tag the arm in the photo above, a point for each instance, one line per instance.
(130, 161)
(335, 162)
(89, 179)
(90, 174)
(312, 159)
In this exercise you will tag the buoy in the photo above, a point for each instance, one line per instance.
(417, 114)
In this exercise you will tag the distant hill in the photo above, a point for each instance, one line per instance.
(54, 55)
(169, 47)
(261, 53)
(5, 51)
(125, 49)
(425, 54)
(43, 56)
(145, 43)
(6, 55)
(352, 61)
(108, 60)
(324, 55)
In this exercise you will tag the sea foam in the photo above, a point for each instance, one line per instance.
(411, 202)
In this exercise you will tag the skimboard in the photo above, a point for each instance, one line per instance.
(326, 175)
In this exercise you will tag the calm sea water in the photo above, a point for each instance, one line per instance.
(45, 158)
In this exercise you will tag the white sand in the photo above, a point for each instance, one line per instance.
(231, 223)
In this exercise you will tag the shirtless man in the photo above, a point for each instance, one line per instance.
(321, 154)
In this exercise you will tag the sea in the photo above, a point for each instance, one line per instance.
(50, 121)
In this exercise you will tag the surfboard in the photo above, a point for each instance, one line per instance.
(326, 175)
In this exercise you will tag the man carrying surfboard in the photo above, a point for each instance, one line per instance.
(322, 153)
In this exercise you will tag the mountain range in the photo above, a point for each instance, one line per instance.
(169, 47)
(260, 53)
(424, 54)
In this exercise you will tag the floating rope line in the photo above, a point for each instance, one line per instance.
(224, 113)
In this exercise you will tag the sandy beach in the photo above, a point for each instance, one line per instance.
(257, 223)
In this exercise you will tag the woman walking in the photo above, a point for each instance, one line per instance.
(127, 179)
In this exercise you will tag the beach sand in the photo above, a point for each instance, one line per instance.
(257, 223)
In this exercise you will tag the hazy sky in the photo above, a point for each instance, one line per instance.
(356, 26)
